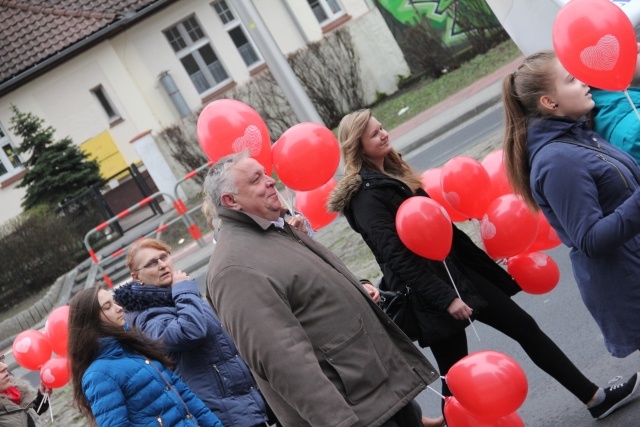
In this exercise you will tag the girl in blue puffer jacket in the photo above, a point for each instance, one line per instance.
(121, 378)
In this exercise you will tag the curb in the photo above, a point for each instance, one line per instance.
(450, 125)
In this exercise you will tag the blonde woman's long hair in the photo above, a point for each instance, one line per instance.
(350, 131)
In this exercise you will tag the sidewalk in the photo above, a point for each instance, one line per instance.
(451, 112)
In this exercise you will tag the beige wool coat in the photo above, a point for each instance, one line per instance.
(321, 350)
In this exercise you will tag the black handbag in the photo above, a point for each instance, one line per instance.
(397, 305)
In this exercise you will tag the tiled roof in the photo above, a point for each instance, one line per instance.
(32, 31)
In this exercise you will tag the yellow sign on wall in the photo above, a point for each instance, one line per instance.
(103, 149)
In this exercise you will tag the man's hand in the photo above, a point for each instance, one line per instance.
(373, 292)
(459, 310)
(298, 222)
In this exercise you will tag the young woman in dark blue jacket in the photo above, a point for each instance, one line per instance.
(121, 378)
(166, 306)
(588, 189)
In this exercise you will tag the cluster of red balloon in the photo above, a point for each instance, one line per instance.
(596, 42)
(32, 349)
(488, 387)
(468, 189)
(305, 158)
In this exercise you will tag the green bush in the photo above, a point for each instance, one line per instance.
(37, 247)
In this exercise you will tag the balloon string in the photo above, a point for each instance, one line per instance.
(458, 293)
(50, 407)
(285, 200)
(436, 391)
(44, 399)
(632, 104)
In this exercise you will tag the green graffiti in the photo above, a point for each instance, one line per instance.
(437, 12)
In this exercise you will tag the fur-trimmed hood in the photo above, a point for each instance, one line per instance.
(344, 191)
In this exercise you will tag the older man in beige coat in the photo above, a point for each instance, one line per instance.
(320, 349)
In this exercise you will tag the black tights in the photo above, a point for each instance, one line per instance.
(504, 315)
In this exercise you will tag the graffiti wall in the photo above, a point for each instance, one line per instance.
(449, 18)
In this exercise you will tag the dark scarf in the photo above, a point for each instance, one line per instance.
(134, 296)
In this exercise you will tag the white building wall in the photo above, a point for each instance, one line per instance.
(10, 198)
(381, 60)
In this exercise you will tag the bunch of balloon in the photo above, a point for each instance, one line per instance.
(431, 184)
(596, 43)
(466, 186)
(33, 349)
(508, 227)
(313, 203)
(488, 387)
(493, 163)
(425, 228)
(227, 126)
(305, 158)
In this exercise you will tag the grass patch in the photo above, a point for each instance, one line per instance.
(426, 92)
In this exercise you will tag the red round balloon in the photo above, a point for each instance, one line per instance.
(227, 126)
(424, 227)
(508, 227)
(596, 43)
(546, 237)
(536, 273)
(466, 186)
(55, 373)
(488, 383)
(56, 329)
(431, 184)
(306, 156)
(313, 205)
(493, 163)
(458, 416)
(31, 349)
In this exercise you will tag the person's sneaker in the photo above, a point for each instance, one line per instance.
(615, 396)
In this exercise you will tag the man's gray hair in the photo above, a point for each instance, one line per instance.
(220, 180)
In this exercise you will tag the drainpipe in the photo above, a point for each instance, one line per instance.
(174, 93)
(298, 99)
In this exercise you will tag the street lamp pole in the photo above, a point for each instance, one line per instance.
(302, 106)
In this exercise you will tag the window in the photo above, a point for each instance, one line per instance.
(237, 33)
(106, 104)
(198, 58)
(9, 161)
(326, 10)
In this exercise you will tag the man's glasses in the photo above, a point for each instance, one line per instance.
(154, 262)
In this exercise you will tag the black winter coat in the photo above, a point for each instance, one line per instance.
(369, 202)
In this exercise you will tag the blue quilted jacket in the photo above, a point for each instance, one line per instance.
(126, 389)
(206, 357)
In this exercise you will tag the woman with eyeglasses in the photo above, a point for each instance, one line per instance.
(20, 404)
(166, 306)
(119, 376)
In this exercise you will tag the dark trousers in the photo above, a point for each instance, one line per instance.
(409, 416)
(507, 317)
